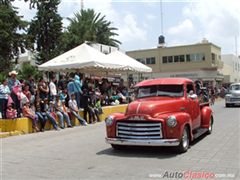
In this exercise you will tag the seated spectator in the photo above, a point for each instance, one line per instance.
(72, 103)
(45, 112)
(27, 112)
(62, 94)
(27, 92)
(98, 108)
(61, 113)
(11, 113)
(41, 118)
(4, 97)
(52, 111)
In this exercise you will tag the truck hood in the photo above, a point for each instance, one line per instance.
(235, 93)
(155, 106)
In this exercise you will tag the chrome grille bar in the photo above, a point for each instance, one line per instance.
(139, 130)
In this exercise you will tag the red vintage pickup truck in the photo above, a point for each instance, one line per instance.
(166, 112)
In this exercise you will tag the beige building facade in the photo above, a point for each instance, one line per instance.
(201, 61)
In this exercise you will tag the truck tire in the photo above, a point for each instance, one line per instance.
(184, 144)
(210, 126)
(117, 147)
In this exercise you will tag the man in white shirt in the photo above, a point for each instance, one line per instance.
(72, 103)
(53, 89)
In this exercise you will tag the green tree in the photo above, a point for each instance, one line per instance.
(89, 26)
(45, 30)
(12, 35)
(27, 70)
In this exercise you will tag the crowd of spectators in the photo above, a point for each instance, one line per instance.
(63, 97)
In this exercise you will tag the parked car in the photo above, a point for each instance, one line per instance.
(166, 112)
(233, 96)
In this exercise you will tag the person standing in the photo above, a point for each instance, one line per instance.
(4, 95)
(53, 89)
(77, 89)
(86, 101)
(43, 89)
(13, 82)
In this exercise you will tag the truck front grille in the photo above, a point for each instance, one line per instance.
(139, 130)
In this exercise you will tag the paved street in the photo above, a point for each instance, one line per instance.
(81, 153)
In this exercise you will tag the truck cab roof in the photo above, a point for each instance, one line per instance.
(169, 81)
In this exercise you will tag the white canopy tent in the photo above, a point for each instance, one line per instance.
(127, 63)
(89, 60)
(83, 57)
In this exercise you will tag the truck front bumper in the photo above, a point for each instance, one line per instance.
(145, 142)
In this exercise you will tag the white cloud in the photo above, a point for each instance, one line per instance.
(183, 28)
(130, 31)
(218, 21)
(150, 17)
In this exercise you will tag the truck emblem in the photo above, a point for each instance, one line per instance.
(136, 118)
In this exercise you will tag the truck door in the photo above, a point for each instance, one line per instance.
(193, 107)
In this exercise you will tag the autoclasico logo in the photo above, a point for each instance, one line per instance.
(190, 175)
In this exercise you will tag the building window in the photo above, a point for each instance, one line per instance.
(150, 60)
(176, 58)
(202, 56)
(182, 58)
(188, 58)
(213, 58)
(192, 57)
(170, 59)
(141, 60)
(195, 57)
(164, 59)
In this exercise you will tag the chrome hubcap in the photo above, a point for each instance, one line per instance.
(210, 126)
(185, 139)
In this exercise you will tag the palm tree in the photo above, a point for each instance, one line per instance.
(89, 26)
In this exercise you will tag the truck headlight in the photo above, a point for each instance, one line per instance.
(171, 121)
(109, 120)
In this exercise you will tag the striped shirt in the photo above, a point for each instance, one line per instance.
(4, 92)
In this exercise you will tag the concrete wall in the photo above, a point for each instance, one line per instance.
(17, 126)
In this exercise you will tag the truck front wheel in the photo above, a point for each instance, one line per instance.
(184, 144)
(210, 126)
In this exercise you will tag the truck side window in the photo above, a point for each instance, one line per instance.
(189, 88)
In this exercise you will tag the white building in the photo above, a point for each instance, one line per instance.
(231, 68)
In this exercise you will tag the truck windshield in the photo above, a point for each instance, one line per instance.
(160, 90)
(235, 87)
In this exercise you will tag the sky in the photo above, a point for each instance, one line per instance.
(139, 21)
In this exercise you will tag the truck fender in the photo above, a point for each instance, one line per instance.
(185, 120)
(206, 115)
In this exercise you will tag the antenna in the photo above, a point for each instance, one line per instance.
(161, 16)
(161, 38)
(82, 5)
(236, 45)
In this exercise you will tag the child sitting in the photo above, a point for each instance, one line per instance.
(11, 113)
(72, 103)
(27, 112)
